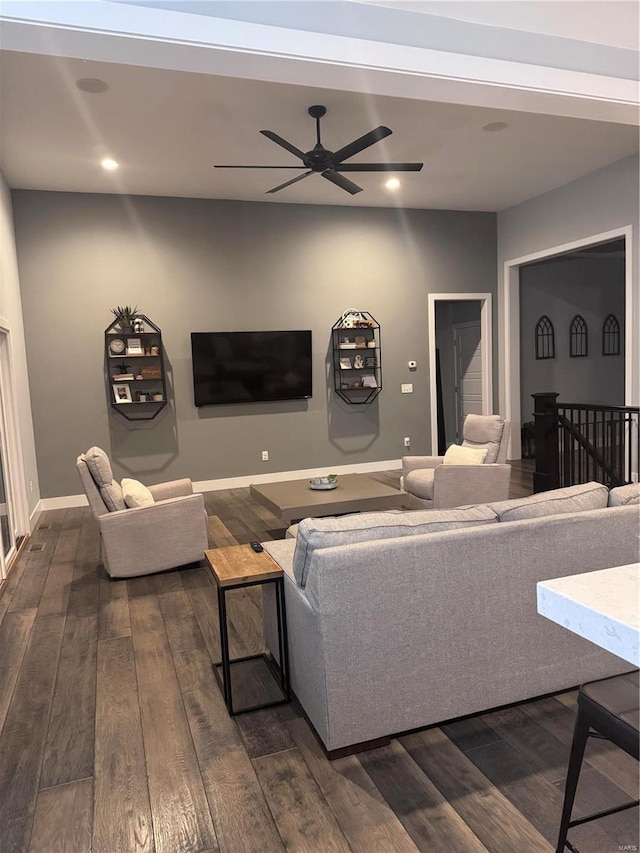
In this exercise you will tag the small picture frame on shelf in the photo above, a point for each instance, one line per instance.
(370, 361)
(122, 392)
(345, 363)
(361, 341)
(134, 346)
(369, 381)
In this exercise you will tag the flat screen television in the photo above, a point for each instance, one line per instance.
(250, 367)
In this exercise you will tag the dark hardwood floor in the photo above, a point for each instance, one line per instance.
(114, 736)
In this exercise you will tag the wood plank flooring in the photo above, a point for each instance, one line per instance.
(114, 736)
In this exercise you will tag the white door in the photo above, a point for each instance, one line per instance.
(467, 348)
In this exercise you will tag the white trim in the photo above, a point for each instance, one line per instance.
(114, 32)
(35, 516)
(64, 502)
(509, 301)
(68, 501)
(487, 353)
(15, 462)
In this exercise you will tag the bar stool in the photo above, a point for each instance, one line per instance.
(610, 708)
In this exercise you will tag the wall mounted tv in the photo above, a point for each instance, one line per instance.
(250, 367)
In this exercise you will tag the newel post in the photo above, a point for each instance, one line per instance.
(546, 475)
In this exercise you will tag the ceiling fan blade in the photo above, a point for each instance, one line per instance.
(283, 142)
(288, 183)
(379, 167)
(216, 166)
(360, 144)
(340, 181)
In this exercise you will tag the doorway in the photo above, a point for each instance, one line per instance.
(510, 303)
(460, 363)
(467, 365)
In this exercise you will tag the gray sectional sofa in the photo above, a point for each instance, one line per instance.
(399, 620)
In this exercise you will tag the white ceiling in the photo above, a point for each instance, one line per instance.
(167, 128)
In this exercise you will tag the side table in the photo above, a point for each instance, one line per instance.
(235, 567)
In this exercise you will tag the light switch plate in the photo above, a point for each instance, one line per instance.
(406, 389)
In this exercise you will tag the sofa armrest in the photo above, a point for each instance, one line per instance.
(172, 489)
(413, 463)
(459, 485)
(152, 538)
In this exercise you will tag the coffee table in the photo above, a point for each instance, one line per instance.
(294, 499)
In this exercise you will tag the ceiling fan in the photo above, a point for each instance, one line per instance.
(330, 164)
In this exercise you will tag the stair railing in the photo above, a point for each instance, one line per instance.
(579, 442)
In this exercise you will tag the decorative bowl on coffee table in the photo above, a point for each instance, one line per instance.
(320, 483)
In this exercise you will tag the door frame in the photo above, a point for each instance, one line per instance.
(13, 464)
(509, 307)
(487, 353)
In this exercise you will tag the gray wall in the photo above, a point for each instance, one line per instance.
(592, 287)
(201, 265)
(600, 202)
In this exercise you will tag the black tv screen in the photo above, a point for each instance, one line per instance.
(250, 367)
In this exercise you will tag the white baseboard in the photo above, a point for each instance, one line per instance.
(64, 502)
(35, 516)
(68, 501)
(301, 474)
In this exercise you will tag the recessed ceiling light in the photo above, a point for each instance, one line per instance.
(495, 126)
(109, 164)
(92, 84)
(392, 184)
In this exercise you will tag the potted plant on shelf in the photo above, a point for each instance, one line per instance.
(124, 315)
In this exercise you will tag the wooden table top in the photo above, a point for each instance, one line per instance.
(291, 499)
(238, 564)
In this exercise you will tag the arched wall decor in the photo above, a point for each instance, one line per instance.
(611, 336)
(578, 337)
(545, 338)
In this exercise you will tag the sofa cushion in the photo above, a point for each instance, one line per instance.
(316, 533)
(100, 469)
(484, 431)
(461, 455)
(571, 499)
(625, 495)
(135, 493)
(420, 483)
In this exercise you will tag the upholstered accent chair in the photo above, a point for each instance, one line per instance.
(165, 530)
(430, 482)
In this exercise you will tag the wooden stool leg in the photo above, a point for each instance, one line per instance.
(578, 744)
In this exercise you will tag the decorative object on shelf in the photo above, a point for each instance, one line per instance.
(355, 387)
(148, 373)
(578, 337)
(611, 336)
(124, 315)
(134, 346)
(320, 483)
(545, 338)
(122, 393)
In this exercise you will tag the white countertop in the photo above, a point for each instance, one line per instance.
(600, 606)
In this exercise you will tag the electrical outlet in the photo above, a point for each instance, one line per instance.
(407, 441)
(265, 455)
(406, 389)
(30, 485)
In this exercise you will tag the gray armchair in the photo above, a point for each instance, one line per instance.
(431, 485)
(141, 540)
